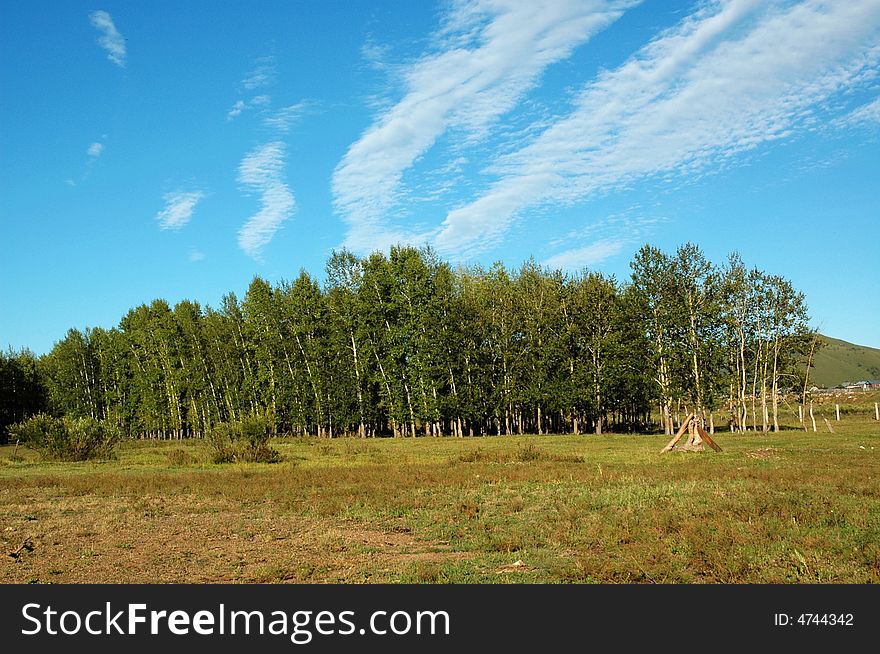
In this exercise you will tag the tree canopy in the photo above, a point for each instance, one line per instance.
(403, 344)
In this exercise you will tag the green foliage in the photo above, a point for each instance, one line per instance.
(22, 388)
(244, 441)
(66, 439)
(402, 344)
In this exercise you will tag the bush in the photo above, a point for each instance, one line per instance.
(244, 441)
(66, 439)
(179, 457)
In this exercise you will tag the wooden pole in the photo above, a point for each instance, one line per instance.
(693, 439)
(707, 439)
(812, 417)
(801, 413)
(876, 411)
(837, 411)
(678, 435)
(828, 424)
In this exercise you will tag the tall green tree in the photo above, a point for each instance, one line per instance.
(653, 289)
(72, 373)
(593, 323)
(23, 390)
(352, 397)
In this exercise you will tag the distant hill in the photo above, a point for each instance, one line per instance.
(840, 361)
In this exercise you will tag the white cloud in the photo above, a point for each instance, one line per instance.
(263, 171)
(111, 40)
(95, 149)
(735, 75)
(597, 240)
(284, 118)
(491, 53)
(866, 114)
(196, 255)
(240, 105)
(262, 75)
(255, 102)
(236, 110)
(585, 256)
(178, 209)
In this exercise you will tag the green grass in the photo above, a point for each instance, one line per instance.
(791, 507)
(840, 362)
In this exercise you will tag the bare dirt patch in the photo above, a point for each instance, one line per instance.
(91, 539)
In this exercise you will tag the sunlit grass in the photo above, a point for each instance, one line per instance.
(790, 507)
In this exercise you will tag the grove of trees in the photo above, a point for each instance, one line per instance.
(403, 344)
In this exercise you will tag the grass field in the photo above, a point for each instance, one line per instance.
(840, 361)
(792, 507)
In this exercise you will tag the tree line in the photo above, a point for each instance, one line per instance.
(404, 344)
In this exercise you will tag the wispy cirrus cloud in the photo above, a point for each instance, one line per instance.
(733, 76)
(866, 114)
(283, 118)
(490, 54)
(111, 40)
(95, 150)
(262, 170)
(586, 255)
(598, 240)
(262, 75)
(240, 105)
(179, 207)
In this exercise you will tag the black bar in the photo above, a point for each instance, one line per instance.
(512, 617)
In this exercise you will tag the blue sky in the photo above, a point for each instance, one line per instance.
(177, 149)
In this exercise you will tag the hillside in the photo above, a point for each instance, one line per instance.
(840, 361)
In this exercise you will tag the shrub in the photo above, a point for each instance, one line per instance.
(179, 457)
(246, 440)
(220, 438)
(66, 439)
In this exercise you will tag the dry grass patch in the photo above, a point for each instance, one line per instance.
(763, 453)
(524, 453)
(188, 539)
(775, 508)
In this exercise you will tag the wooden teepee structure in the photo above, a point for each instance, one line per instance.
(697, 436)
